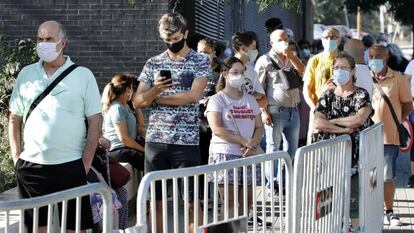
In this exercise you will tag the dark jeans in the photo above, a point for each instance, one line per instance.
(128, 155)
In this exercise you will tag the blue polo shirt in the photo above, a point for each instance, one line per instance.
(55, 132)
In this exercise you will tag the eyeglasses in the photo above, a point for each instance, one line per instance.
(341, 68)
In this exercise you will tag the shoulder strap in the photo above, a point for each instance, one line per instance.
(275, 65)
(384, 96)
(49, 88)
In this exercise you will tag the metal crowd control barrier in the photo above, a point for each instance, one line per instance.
(267, 205)
(60, 197)
(322, 186)
(371, 179)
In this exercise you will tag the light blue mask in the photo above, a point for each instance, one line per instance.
(329, 45)
(376, 65)
(341, 77)
(306, 52)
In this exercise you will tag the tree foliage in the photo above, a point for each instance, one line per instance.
(365, 5)
(288, 4)
(329, 12)
(12, 59)
(263, 4)
(403, 11)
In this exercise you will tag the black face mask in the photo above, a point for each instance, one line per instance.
(177, 46)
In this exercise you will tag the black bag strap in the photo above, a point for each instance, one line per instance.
(49, 88)
(275, 65)
(385, 97)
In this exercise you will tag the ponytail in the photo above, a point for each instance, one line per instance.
(118, 85)
(108, 95)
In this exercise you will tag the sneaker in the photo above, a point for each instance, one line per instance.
(410, 183)
(392, 219)
(258, 221)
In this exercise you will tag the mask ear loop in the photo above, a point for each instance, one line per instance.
(61, 49)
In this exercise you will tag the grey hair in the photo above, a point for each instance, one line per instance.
(62, 32)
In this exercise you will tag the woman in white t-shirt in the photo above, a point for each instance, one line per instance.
(234, 118)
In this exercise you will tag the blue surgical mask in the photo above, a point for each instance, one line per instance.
(341, 77)
(306, 52)
(376, 65)
(329, 45)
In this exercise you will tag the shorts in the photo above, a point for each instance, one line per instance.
(38, 179)
(162, 156)
(390, 161)
(128, 155)
(354, 203)
(216, 158)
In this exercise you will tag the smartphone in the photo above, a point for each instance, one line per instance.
(166, 74)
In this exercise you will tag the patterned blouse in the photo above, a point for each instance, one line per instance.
(333, 106)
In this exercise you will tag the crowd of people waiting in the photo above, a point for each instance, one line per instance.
(205, 108)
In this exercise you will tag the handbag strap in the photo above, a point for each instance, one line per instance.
(49, 88)
(231, 115)
(275, 65)
(385, 97)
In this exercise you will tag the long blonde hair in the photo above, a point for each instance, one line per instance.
(118, 85)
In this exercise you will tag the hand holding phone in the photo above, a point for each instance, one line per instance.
(167, 75)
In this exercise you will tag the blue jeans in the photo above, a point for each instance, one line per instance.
(390, 162)
(286, 124)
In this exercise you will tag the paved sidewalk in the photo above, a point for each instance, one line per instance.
(404, 202)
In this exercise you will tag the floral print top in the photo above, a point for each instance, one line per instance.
(333, 106)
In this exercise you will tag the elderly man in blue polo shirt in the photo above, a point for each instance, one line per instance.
(57, 148)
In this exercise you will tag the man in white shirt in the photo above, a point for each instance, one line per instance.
(355, 48)
(244, 46)
(410, 71)
(58, 149)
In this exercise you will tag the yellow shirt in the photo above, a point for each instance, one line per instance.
(318, 71)
(397, 88)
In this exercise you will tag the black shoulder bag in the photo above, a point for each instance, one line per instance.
(290, 78)
(49, 88)
(402, 131)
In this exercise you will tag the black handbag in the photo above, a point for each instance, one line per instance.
(404, 135)
(290, 77)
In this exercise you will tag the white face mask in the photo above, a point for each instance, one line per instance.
(235, 81)
(281, 46)
(210, 57)
(47, 51)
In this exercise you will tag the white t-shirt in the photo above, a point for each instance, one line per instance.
(410, 71)
(252, 83)
(363, 78)
(244, 112)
